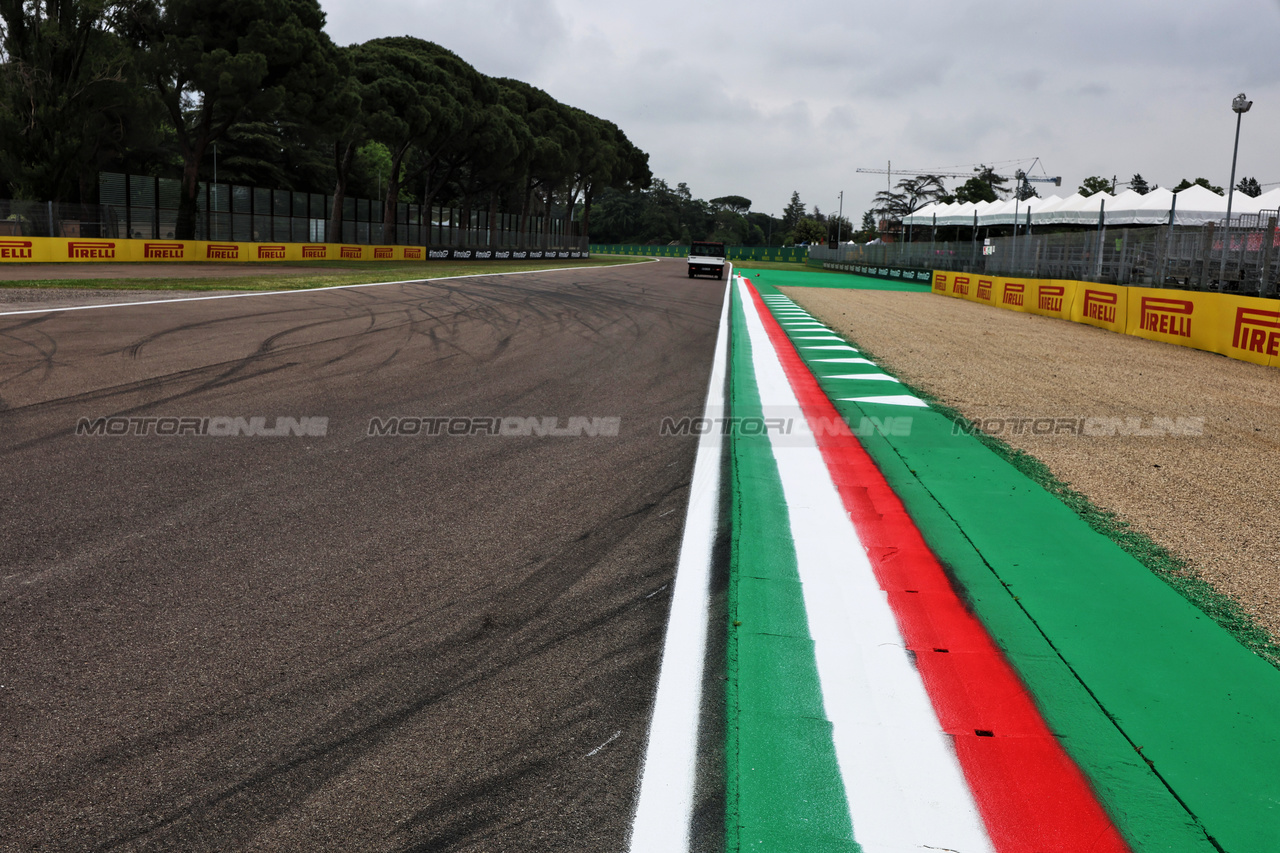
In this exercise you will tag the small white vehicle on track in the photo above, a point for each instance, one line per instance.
(706, 259)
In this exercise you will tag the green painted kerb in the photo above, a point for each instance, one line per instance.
(1171, 719)
(784, 787)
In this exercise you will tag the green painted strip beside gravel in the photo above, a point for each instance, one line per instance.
(841, 281)
(1116, 659)
(784, 785)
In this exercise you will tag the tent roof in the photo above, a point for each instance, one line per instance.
(1150, 209)
(1195, 206)
(1063, 212)
(1270, 200)
(1199, 206)
(924, 215)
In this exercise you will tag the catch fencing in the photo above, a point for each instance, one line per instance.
(146, 208)
(1241, 259)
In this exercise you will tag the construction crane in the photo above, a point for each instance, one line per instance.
(1018, 176)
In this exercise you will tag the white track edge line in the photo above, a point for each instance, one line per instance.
(298, 290)
(664, 804)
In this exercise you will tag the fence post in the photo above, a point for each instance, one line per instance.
(1244, 247)
(1264, 269)
(973, 255)
(1161, 254)
(1102, 236)
(1168, 247)
(1206, 248)
(1122, 274)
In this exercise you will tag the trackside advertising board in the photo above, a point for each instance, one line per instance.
(1242, 327)
(788, 255)
(875, 271)
(82, 250)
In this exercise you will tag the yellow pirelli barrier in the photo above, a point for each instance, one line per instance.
(1242, 327)
(1175, 317)
(1011, 294)
(1103, 305)
(82, 250)
(1253, 327)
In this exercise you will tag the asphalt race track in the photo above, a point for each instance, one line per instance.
(342, 641)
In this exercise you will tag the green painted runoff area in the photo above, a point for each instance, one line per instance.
(784, 786)
(806, 278)
(1169, 716)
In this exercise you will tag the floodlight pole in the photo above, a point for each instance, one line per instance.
(840, 221)
(1241, 106)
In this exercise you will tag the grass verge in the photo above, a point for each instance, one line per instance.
(325, 275)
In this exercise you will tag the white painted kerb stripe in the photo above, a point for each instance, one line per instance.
(901, 775)
(664, 807)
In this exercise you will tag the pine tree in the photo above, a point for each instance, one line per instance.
(793, 212)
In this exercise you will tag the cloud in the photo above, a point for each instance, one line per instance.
(758, 99)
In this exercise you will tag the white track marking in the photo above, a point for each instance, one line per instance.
(299, 290)
(890, 400)
(904, 784)
(611, 739)
(664, 806)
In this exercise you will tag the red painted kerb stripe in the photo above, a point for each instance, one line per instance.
(1032, 796)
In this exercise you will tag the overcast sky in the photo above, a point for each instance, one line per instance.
(759, 99)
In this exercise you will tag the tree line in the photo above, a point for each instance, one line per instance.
(256, 90)
(661, 214)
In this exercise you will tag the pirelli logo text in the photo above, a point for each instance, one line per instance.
(984, 289)
(940, 283)
(271, 253)
(315, 252)
(413, 253)
(961, 286)
(350, 252)
(1014, 294)
(88, 251)
(164, 251)
(1257, 330)
(1100, 305)
(1051, 296)
(384, 253)
(222, 252)
(1166, 316)
(15, 250)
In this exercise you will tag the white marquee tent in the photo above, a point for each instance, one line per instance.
(1192, 206)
